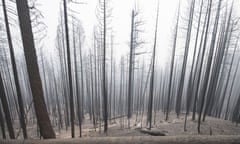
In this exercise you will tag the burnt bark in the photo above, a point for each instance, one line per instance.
(44, 123)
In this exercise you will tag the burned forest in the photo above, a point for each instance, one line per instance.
(111, 71)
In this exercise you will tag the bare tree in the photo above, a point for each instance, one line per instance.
(46, 129)
(6, 110)
(205, 80)
(172, 63)
(69, 69)
(15, 72)
(152, 73)
(187, 44)
(103, 17)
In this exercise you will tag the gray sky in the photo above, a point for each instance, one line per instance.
(120, 22)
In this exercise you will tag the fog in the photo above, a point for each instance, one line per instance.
(82, 64)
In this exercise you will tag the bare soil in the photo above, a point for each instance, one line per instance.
(173, 127)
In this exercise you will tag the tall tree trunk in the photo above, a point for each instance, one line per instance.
(15, 73)
(92, 89)
(95, 77)
(129, 114)
(152, 74)
(6, 110)
(214, 71)
(76, 82)
(114, 90)
(111, 81)
(228, 77)
(172, 64)
(226, 44)
(46, 129)
(187, 44)
(192, 73)
(57, 99)
(82, 88)
(66, 85)
(45, 82)
(198, 68)
(2, 123)
(69, 70)
(105, 97)
(205, 80)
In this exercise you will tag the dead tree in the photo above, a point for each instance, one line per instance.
(2, 123)
(190, 87)
(130, 71)
(46, 129)
(104, 14)
(6, 110)
(214, 72)
(105, 97)
(69, 70)
(199, 65)
(135, 42)
(15, 72)
(152, 73)
(228, 77)
(187, 44)
(205, 80)
(172, 64)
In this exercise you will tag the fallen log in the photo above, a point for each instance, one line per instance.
(197, 139)
(153, 133)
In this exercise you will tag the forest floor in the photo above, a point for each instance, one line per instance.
(213, 131)
(173, 127)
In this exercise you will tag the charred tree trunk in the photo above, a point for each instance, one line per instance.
(46, 129)
(192, 74)
(6, 110)
(205, 80)
(15, 72)
(172, 65)
(129, 113)
(187, 44)
(69, 70)
(152, 74)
